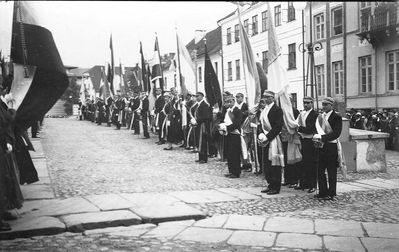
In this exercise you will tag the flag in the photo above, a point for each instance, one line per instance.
(186, 66)
(82, 93)
(111, 78)
(251, 74)
(108, 82)
(144, 79)
(39, 74)
(157, 75)
(212, 88)
(122, 82)
(262, 77)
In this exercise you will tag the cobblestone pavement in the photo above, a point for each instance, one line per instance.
(85, 159)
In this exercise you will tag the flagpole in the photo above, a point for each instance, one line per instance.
(160, 61)
(178, 60)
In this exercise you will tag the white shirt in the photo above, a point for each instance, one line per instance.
(304, 114)
(239, 106)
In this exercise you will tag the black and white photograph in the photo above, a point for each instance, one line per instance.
(199, 126)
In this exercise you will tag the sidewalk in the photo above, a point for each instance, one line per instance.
(175, 216)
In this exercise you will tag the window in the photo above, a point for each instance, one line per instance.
(365, 5)
(228, 36)
(320, 83)
(175, 79)
(254, 25)
(338, 77)
(229, 71)
(393, 70)
(291, 56)
(336, 21)
(238, 69)
(199, 74)
(246, 26)
(319, 26)
(236, 33)
(265, 61)
(291, 12)
(264, 21)
(365, 74)
(365, 16)
(166, 81)
(294, 100)
(216, 69)
(277, 15)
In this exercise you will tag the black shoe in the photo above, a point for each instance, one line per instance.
(168, 148)
(4, 226)
(265, 190)
(272, 192)
(197, 161)
(284, 184)
(202, 162)
(8, 216)
(311, 190)
(145, 137)
(234, 176)
(299, 188)
(318, 196)
(188, 148)
(182, 146)
(292, 186)
(227, 175)
(161, 142)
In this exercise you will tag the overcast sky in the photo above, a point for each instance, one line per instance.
(82, 29)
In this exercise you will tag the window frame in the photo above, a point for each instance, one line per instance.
(216, 68)
(369, 75)
(290, 53)
(333, 21)
(321, 87)
(238, 70)
(229, 71)
(254, 25)
(321, 24)
(200, 74)
(340, 74)
(228, 35)
(395, 65)
(264, 20)
(277, 15)
(246, 26)
(236, 33)
(265, 61)
(291, 11)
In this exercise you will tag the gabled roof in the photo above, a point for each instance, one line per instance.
(229, 15)
(213, 43)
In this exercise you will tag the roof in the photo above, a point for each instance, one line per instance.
(213, 43)
(229, 15)
(75, 71)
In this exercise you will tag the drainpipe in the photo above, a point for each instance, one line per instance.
(345, 48)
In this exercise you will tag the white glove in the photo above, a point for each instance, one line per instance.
(317, 136)
(193, 121)
(9, 147)
(168, 123)
(152, 112)
(253, 125)
(262, 137)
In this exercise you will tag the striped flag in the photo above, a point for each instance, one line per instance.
(111, 77)
(144, 79)
(251, 74)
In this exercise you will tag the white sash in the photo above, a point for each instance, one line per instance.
(276, 154)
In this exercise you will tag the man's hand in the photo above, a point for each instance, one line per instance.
(9, 148)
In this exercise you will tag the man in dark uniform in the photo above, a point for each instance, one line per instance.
(108, 104)
(202, 119)
(145, 105)
(192, 137)
(231, 128)
(159, 117)
(331, 124)
(118, 107)
(271, 123)
(100, 107)
(135, 107)
(307, 171)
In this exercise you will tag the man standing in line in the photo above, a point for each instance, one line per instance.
(135, 107)
(202, 119)
(271, 123)
(306, 121)
(145, 104)
(159, 117)
(328, 133)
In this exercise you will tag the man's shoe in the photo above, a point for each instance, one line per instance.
(202, 162)
(145, 137)
(168, 148)
(161, 142)
(284, 184)
(8, 216)
(272, 192)
(197, 161)
(234, 176)
(227, 175)
(318, 196)
(292, 186)
(311, 190)
(188, 148)
(299, 188)
(265, 190)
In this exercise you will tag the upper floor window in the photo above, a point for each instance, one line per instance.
(320, 82)
(254, 25)
(336, 21)
(291, 11)
(238, 72)
(319, 26)
(291, 56)
(393, 70)
(246, 26)
(199, 74)
(365, 74)
(264, 21)
(338, 77)
(265, 61)
(277, 15)
(236, 33)
(228, 36)
(216, 68)
(229, 71)
(365, 5)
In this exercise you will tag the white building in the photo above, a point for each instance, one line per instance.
(288, 26)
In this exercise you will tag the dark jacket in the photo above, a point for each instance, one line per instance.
(236, 117)
(159, 103)
(203, 113)
(335, 121)
(310, 123)
(276, 120)
(145, 105)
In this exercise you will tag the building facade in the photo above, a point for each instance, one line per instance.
(288, 26)
(359, 60)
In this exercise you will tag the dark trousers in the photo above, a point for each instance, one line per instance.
(290, 170)
(233, 144)
(35, 128)
(272, 173)
(136, 123)
(161, 118)
(144, 119)
(328, 160)
(308, 169)
(204, 138)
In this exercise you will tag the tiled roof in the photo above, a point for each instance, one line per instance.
(213, 43)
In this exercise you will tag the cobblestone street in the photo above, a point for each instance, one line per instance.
(86, 162)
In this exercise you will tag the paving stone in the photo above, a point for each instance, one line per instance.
(394, 182)
(253, 190)
(109, 201)
(303, 241)
(344, 244)
(58, 207)
(135, 230)
(252, 238)
(382, 230)
(41, 167)
(148, 199)
(185, 223)
(363, 187)
(345, 188)
(245, 222)
(81, 222)
(204, 234)
(167, 231)
(377, 184)
(238, 193)
(338, 227)
(37, 192)
(161, 213)
(203, 196)
(216, 221)
(43, 181)
(289, 225)
(33, 226)
(381, 244)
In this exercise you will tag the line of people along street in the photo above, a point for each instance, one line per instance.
(255, 140)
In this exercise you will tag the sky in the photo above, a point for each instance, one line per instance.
(82, 29)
